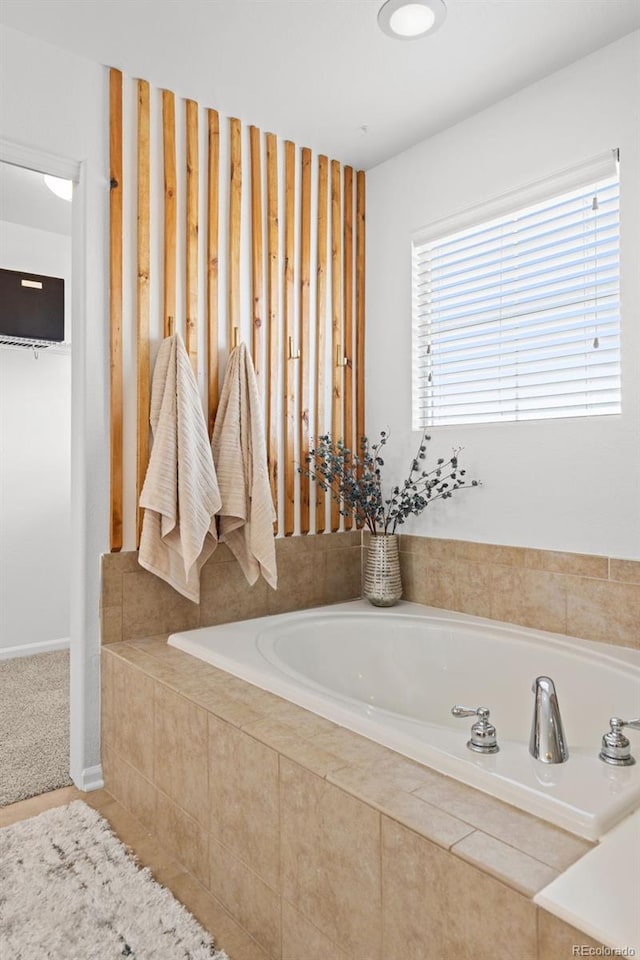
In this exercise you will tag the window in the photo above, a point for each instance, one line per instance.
(518, 317)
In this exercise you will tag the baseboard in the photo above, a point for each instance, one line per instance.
(90, 779)
(29, 649)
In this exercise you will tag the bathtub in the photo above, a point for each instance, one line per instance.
(393, 675)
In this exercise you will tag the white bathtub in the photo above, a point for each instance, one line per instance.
(394, 674)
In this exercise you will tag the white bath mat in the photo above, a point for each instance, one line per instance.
(69, 890)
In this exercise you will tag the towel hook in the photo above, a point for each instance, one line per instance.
(234, 338)
(171, 325)
(341, 360)
(293, 356)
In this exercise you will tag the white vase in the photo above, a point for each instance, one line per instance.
(382, 582)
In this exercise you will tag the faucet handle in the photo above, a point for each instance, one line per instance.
(459, 711)
(483, 734)
(616, 747)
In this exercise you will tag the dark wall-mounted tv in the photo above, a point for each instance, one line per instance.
(31, 306)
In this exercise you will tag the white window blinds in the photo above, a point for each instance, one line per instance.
(518, 318)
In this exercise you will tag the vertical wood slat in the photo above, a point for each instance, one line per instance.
(305, 332)
(213, 216)
(273, 357)
(170, 222)
(191, 275)
(360, 293)
(347, 216)
(257, 278)
(115, 307)
(289, 339)
(321, 317)
(337, 341)
(235, 213)
(142, 296)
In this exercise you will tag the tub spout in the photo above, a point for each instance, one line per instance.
(547, 742)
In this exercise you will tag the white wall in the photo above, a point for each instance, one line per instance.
(35, 462)
(58, 104)
(564, 485)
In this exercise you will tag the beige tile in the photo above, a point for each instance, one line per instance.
(209, 912)
(243, 798)
(532, 598)
(538, 839)
(302, 941)
(349, 746)
(301, 577)
(221, 554)
(602, 610)
(427, 820)
(126, 561)
(575, 564)
(435, 905)
(247, 898)
(107, 719)
(471, 587)
(488, 553)
(150, 606)
(233, 711)
(413, 573)
(180, 752)
(110, 585)
(289, 547)
(225, 595)
(290, 744)
(439, 583)
(148, 850)
(343, 576)
(394, 770)
(516, 869)
(556, 939)
(184, 837)
(133, 716)
(337, 541)
(110, 624)
(432, 548)
(331, 860)
(627, 570)
(130, 788)
(305, 722)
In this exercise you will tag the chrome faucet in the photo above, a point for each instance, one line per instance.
(547, 742)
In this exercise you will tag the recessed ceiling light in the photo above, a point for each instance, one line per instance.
(411, 19)
(58, 185)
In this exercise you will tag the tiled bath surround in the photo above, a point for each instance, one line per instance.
(596, 598)
(311, 571)
(318, 842)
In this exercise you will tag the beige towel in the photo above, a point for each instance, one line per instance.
(240, 456)
(180, 493)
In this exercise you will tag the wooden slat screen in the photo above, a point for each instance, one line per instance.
(193, 172)
(213, 217)
(142, 294)
(290, 339)
(321, 321)
(304, 420)
(170, 209)
(115, 308)
(273, 367)
(293, 285)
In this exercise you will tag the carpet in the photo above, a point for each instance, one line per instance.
(70, 890)
(34, 725)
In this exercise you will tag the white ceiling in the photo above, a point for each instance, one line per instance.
(317, 71)
(25, 198)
